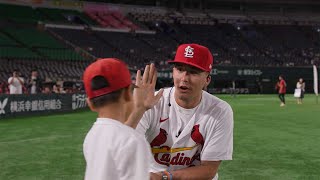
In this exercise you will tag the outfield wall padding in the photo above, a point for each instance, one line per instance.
(21, 105)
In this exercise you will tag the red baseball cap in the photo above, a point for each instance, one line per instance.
(194, 55)
(114, 71)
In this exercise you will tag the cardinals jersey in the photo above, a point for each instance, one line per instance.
(206, 136)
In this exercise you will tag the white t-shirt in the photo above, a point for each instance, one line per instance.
(207, 135)
(33, 87)
(15, 87)
(115, 151)
(300, 86)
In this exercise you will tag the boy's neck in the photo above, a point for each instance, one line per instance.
(112, 111)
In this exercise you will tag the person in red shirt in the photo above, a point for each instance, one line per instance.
(281, 86)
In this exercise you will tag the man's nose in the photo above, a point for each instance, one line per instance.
(185, 76)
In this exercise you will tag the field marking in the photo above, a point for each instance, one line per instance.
(35, 139)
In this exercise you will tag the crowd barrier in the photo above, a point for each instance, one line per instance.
(21, 105)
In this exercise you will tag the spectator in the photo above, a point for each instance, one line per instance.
(55, 89)
(1, 88)
(15, 83)
(301, 86)
(46, 90)
(34, 83)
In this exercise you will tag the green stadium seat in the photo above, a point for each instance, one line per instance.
(5, 40)
(61, 54)
(17, 52)
(34, 38)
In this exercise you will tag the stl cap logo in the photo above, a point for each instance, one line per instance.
(3, 105)
(188, 52)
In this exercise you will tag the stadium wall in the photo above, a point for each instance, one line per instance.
(253, 79)
(20, 105)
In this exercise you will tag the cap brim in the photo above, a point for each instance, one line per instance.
(187, 63)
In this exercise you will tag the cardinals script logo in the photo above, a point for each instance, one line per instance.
(188, 52)
(3, 105)
(181, 156)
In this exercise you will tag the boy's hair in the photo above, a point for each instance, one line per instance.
(100, 82)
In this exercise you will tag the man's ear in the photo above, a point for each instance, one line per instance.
(208, 80)
(92, 108)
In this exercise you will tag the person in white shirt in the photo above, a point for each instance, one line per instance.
(112, 149)
(189, 130)
(301, 86)
(15, 83)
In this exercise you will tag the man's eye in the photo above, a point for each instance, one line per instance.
(193, 72)
(179, 69)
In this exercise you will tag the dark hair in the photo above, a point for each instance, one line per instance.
(103, 100)
(100, 82)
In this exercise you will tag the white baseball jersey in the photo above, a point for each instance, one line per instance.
(15, 87)
(115, 151)
(206, 136)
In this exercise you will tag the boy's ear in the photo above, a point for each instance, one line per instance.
(127, 94)
(92, 108)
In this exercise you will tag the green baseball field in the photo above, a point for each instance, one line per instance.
(270, 142)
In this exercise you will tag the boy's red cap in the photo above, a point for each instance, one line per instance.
(194, 55)
(115, 72)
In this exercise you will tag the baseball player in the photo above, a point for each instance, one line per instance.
(113, 150)
(281, 86)
(189, 130)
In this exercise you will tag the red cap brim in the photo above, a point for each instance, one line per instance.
(187, 63)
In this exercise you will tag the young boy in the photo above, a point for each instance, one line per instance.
(112, 149)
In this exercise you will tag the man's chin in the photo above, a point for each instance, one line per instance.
(184, 96)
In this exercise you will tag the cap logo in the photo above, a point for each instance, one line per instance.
(188, 52)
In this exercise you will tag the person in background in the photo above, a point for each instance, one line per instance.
(1, 88)
(34, 83)
(282, 89)
(46, 90)
(16, 83)
(300, 85)
(55, 89)
(233, 88)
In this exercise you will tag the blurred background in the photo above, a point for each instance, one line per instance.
(253, 41)
(45, 45)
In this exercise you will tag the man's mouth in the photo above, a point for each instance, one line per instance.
(184, 88)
